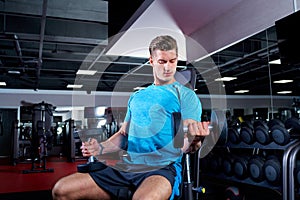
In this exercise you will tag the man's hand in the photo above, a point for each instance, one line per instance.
(195, 133)
(90, 148)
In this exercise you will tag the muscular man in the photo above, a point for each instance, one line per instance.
(152, 169)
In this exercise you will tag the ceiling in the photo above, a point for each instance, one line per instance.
(44, 43)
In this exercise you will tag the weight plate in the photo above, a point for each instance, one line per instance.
(262, 135)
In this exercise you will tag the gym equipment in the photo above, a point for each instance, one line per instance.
(282, 133)
(218, 126)
(247, 132)
(42, 118)
(92, 165)
(227, 164)
(234, 131)
(215, 163)
(255, 166)
(272, 170)
(297, 174)
(240, 167)
(233, 193)
(261, 132)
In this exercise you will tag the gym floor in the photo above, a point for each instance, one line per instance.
(36, 185)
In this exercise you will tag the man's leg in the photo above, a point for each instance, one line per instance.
(78, 186)
(154, 187)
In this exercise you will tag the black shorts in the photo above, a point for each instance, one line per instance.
(121, 185)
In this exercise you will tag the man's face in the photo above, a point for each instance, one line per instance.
(164, 65)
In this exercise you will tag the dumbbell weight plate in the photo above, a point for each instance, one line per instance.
(293, 123)
(262, 135)
(233, 135)
(240, 167)
(227, 165)
(280, 135)
(255, 166)
(272, 170)
(246, 135)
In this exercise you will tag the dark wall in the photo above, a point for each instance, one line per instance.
(8, 117)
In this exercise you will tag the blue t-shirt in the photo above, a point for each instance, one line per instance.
(150, 132)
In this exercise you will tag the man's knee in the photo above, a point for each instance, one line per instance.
(58, 191)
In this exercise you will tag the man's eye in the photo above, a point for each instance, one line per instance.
(161, 62)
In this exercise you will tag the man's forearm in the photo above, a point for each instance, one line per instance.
(113, 144)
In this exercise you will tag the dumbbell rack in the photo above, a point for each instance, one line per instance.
(288, 164)
(291, 166)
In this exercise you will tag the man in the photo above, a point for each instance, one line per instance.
(152, 169)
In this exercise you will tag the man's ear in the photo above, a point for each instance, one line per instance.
(150, 60)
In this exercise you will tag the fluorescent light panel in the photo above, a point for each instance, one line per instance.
(2, 83)
(86, 72)
(283, 81)
(225, 79)
(241, 91)
(284, 92)
(74, 86)
(277, 62)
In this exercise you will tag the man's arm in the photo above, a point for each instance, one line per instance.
(115, 143)
(196, 130)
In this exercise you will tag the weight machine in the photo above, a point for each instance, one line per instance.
(42, 118)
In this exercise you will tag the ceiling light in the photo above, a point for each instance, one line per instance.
(283, 81)
(16, 72)
(86, 72)
(241, 91)
(74, 86)
(2, 83)
(276, 62)
(284, 92)
(225, 79)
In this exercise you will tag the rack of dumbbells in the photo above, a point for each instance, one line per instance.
(258, 153)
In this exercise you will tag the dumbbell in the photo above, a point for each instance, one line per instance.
(282, 132)
(261, 132)
(255, 166)
(92, 165)
(218, 128)
(272, 170)
(215, 163)
(240, 167)
(247, 132)
(227, 164)
(234, 131)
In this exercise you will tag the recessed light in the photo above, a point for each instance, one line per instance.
(86, 72)
(241, 91)
(16, 72)
(276, 62)
(284, 92)
(225, 79)
(283, 81)
(74, 86)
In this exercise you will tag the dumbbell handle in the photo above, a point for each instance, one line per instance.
(185, 128)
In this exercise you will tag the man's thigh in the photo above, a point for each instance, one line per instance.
(154, 187)
(80, 186)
